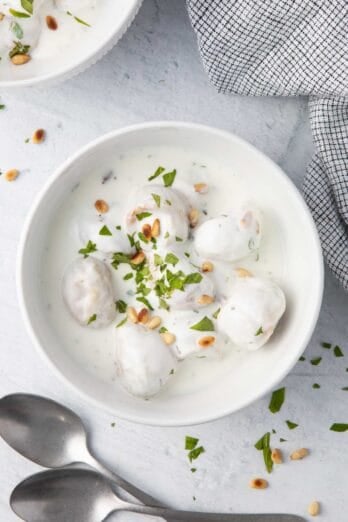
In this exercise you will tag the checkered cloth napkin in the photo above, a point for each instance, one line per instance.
(291, 48)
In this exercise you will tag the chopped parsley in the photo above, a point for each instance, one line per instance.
(316, 361)
(19, 48)
(178, 239)
(316, 386)
(2, 106)
(216, 313)
(168, 178)
(326, 345)
(277, 400)
(291, 425)
(171, 259)
(17, 30)
(259, 331)
(143, 215)
(128, 276)
(193, 470)
(92, 319)
(163, 304)
(339, 427)
(118, 227)
(18, 14)
(195, 453)
(190, 442)
(88, 249)
(345, 388)
(121, 306)
(104, 231)
(77, 19)
(193, 278)
(163, 329)
(157, 199)
(264, 445)
(204, 325)
(157, 173)
(121, 323)
(145, 302)
(338, 352)
(158, 260)
(302, 358)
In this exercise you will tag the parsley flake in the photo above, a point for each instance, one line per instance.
(104, 231)
(92, 319)
(157, 199)
(168, 178)
(88, 249)
(157, 173)
(204, 325)
(143, 215)
(277, 400)
(338, 352)
(339, 427)
(121, 306)
(316, 361)
(291, 425)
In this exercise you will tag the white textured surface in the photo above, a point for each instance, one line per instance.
(155, 73)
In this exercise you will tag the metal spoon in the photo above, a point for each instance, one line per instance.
(77, 495)
(53, 436)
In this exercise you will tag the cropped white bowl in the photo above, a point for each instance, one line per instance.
(115, 18)
(303, 270)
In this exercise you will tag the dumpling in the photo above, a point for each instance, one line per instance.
(252, 312)
(88, 292)
(229, 237)
(144, 362)
(158, 213)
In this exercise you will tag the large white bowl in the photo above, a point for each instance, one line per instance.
(302, 277)
(115, 18)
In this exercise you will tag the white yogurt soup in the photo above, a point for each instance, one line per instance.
(164, 270)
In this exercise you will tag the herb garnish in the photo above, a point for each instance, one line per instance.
(157, 173)
(168, 178)
(316, 361)
(2, 106)
(88, 249)
(216, 313)
(92, 319)
(104, 231)
(193, 278)
(142, 215)
(128, 276)
(171, 259)
(316, 386)
(145, 302)
(326, 345)
(277, 400)
(291, 425)
(338, 352)
(19, 48)
(339, 427)
(79, 20)
(204, 325)
(193, 451)
(190, 442)
(302, 358)
(263, 445)
(121, 323)
(121, 306)
(157, 199)
(17, 30)
(259, 331)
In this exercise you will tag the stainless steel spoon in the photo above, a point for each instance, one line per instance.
(53, 436)
(77, 495)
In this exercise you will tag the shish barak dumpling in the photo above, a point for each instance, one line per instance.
(158, 213)
(88, 292)
(144, 361)
(229, 237)
(252, 312)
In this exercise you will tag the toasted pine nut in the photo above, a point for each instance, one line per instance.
(138, 258)
(132, 314)
(156, 228)
(193, 217)
(11, 175)
(146, 230)
(258, 483)
(51, 23)
(299, 454)
(154, 322)
(207, 266)
(38, 136)
(168, 337)
(20, 59)
(143, 316)
(206, 341)
(205, 299)
(101, 206)
(2, 16)
(243, 272)
(276, 456)
(201, 188)
(314, 508)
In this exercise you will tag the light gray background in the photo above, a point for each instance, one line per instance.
(155, 73)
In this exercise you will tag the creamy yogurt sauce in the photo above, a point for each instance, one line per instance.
(42, 29)
(238, 311)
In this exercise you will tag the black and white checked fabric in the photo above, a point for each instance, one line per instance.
(291, 48)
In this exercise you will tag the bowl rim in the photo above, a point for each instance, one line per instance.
(90, 59)
(149, 418)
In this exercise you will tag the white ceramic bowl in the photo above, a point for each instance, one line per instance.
(302, 277)
(115, 18)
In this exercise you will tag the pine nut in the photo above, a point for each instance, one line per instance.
(156, 228)
(168, 337)
(276, 456)
(146, 230)
(138, 258)
(206, 341)
(207, 266)
(20, 59)
(143, 316)
(243, 272)
(201, 188)
(193, 217)
(299, 454)
(205, 299)
(258, 483)
(132, 314)
(314, 508)
(51, 23)
(101, 206)
(154, 322)
(2, 16)
(11, 175)
(38, 136)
